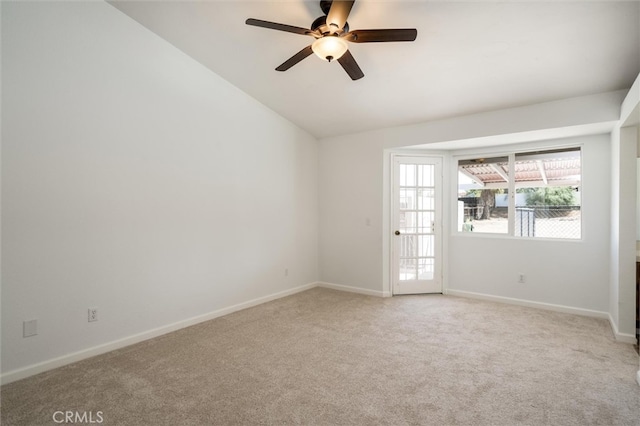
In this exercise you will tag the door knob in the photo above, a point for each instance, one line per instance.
(397, 232)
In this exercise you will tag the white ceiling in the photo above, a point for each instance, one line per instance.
(468, 57)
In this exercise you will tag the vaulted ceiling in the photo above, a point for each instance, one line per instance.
(468, 57)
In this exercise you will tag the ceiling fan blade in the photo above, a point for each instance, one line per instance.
(375, 36)
(338, 14)
(295, 59)
(350, 66)
(279, 27)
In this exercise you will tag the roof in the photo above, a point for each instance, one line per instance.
(532, 169)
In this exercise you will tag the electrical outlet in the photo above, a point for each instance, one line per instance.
(30, 328)
(286, 272)
(93, 314)
(521, 278)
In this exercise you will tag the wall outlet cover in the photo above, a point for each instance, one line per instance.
(93, 314)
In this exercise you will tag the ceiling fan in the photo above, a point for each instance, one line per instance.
(331, 32)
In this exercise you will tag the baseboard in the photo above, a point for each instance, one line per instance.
(353, 289)
(529, 304)
(621, 337)
(34, 369)
(22, 373)
(625, 338)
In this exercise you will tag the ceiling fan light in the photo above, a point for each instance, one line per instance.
(329, 48)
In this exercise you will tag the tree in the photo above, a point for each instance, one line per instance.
(551, 196)
(487, 199)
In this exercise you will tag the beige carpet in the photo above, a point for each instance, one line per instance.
(324, 357)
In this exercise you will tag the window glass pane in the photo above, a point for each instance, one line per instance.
(548, 194)
(547, 198)
(482, 188)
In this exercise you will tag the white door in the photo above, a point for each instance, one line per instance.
(417, 239)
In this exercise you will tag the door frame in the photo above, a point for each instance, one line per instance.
(387, 213)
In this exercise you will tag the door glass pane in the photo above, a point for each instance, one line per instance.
(408, 246)
(425, 221)
(408, 269)
(425, 269)
(407, 175)
(426, 245)
(426, 175)
(426, 198)
(407, 199)
(408, 222)
(416, 215)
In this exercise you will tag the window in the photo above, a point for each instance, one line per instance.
(546, 188)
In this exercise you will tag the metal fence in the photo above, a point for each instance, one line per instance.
(549, 222)
(562, 222)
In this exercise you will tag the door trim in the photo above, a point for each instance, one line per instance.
(390, 156)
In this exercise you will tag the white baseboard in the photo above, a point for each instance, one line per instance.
(41, 367)
(620, 337)
(529, 304)
(353, 289)
(22, 373)
(624, 337)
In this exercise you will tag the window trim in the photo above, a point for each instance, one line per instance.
(510, 151)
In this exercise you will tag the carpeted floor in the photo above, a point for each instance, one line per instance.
(325, 357)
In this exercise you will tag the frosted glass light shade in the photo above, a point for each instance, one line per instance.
(329, 48)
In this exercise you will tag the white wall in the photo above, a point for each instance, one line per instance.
(623, 242)
(350, 199)
(351, 190)
(136, 181)
(567, 273)
(625, 139)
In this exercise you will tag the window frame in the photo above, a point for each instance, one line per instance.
(511, 151)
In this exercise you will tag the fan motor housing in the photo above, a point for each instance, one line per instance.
(325, 5)
(320, 24)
